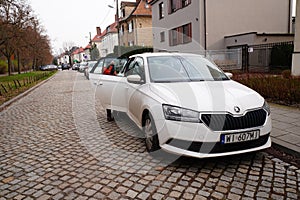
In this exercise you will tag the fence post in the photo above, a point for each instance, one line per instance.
(4, 88)
(15, 84)
(19, 83)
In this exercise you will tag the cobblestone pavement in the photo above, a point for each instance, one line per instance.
(54, 147)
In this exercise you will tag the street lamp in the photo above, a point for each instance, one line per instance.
(117, 20)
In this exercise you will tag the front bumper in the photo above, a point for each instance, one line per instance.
(198, 140)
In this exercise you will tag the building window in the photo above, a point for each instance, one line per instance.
(185, 3)
(123, 13)
(122, 30)
(173, 37)
(162, 36)
(181, 35)
(174, 5)
(187, 33)
(130, 27)
(130, 43)
(161, 11)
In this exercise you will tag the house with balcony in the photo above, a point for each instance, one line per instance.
(135, 23)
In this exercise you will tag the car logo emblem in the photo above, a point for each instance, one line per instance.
(237, 109)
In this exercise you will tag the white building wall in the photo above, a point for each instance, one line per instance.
(109, 41)
(190, 14)
(296, 55)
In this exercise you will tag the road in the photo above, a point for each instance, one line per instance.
(56, 144)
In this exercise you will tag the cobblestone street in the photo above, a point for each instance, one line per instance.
(56, 144)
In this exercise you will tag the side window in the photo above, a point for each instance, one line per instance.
(98, 69)
(130, 66)
(137, 68)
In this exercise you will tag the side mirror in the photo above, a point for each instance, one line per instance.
(136, 79)
(228, 74)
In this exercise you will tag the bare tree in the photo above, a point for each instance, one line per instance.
(68, 47)
(20, 31)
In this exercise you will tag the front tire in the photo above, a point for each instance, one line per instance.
(151, 137)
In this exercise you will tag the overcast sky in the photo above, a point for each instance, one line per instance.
(72, 20)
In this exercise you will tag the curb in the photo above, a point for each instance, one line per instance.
(25, 93)
(283, 147)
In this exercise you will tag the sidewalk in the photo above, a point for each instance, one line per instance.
(286, 128)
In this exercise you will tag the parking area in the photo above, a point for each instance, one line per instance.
(56, 144)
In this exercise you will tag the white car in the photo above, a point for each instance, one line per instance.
(187, 106)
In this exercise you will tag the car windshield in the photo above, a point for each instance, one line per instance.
(184, 68)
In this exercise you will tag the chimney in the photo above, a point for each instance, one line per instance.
(98, 29)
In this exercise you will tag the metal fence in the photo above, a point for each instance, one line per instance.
(264, 57)
(230, 59)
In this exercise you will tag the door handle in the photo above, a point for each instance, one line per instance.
(100, 83)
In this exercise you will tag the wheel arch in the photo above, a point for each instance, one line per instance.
(145, 113)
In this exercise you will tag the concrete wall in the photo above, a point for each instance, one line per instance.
(239, 16)
(256, 39)
(108, 42)
(296, 55)
(190, 14)
(222, 18)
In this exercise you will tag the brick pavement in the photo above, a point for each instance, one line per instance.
(55, 144)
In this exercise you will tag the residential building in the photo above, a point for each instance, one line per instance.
(296, 54)
(78, 55)
(135, 24)
(106, 40)
(97, 39)
(109, 39)
(87, 53)
(197, 25)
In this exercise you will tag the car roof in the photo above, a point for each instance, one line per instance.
(165, 54)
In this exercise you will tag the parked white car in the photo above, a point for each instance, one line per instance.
(187, 106)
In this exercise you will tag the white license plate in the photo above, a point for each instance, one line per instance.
(239, 137)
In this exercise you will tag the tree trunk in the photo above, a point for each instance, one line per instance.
(9, 65)
(18, 56)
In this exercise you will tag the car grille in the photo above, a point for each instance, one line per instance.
(217, 147)
(225, 122)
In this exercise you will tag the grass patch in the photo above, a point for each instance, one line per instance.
(275, 88)
(11, 86)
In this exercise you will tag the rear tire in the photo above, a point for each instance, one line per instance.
(151, 137)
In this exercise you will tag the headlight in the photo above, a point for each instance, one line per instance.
(266, 107)
(180, 114)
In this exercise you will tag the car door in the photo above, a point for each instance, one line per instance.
(95, 73)
(111, 91)
(134, 95)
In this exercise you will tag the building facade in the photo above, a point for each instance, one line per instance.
(194, 26)
(135, 25)
(109, 39)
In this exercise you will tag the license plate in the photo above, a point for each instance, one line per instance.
(239, 137)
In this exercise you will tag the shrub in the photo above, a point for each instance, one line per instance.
(274, 88)
(3, 67)
(286, 74)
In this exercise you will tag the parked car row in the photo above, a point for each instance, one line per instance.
(185, 104)
(48, 68)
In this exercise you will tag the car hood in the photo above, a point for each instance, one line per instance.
(218, 96)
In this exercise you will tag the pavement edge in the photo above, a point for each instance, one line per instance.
(23, 94)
